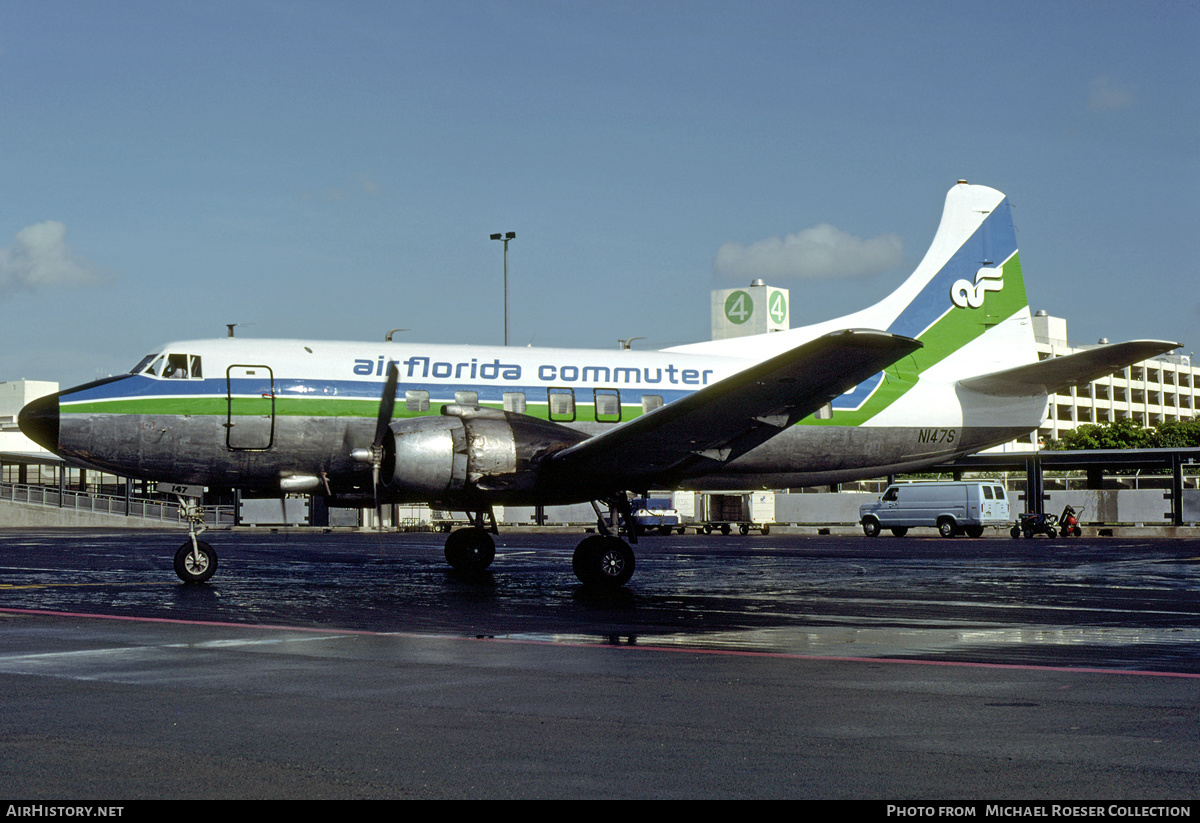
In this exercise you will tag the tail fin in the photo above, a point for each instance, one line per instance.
(969, 282)
(965, 302)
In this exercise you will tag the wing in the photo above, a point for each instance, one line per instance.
(1059, 374)
(732, 416)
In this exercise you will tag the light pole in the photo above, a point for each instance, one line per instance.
(505, 238)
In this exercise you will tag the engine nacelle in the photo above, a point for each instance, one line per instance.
(468, 449)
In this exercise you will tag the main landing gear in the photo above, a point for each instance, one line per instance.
(472, 550)
(605, 560)
(601, 560)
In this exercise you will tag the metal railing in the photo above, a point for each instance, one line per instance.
(160, 510)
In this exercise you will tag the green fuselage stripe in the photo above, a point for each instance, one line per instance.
(218, 406)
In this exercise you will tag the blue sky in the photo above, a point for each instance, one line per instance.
(333, 170)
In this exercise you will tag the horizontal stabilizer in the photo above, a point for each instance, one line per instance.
(732, 416)
(1059, 374)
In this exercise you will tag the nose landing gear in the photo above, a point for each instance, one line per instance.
(196, 561)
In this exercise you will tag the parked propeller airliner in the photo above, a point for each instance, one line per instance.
(942, 367)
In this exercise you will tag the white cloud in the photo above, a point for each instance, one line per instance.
(40, 257)
(820, 252)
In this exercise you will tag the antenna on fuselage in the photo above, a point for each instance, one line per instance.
(230, 327)
(388, 337)
(627, 343)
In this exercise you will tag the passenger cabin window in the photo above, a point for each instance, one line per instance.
(514, 401)
(416, 401)
(562, 405)
(608, 406)
(466, 398)
(650, 402)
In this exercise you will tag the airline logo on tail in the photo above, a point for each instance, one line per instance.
(981, 270)
(965, 294)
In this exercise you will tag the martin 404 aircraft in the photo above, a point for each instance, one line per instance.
(944, 366)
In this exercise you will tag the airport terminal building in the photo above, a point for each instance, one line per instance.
(1150, 392)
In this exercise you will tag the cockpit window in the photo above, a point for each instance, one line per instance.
(176, 368)
(143, 363)
(170, 366)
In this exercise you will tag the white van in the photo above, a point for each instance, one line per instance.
(950, 507)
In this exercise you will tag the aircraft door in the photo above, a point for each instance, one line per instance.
(250, 424)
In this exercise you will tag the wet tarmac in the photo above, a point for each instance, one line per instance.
(358, 665)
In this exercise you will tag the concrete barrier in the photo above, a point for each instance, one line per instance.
(26, 516)
(1150, 507)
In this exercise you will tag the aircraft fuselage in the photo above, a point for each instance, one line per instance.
(242, 413)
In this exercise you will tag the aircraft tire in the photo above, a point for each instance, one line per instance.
(603, 561)
(470, 550)
(195, 566)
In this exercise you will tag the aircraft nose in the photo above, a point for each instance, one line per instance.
(39, 421)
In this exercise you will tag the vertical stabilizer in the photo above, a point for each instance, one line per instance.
(969, 281)
(965, 302)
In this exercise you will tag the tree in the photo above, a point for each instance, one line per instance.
(1176, 434)
(1127, 433)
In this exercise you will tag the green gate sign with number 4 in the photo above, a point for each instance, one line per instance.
(777, 307)
(738, 307)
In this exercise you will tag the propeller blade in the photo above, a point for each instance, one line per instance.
(386, 404)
